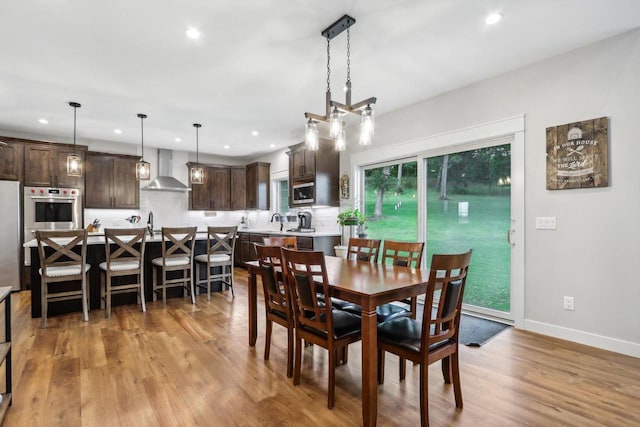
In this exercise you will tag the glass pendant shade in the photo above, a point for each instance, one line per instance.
(74, 165)
(74, 161)
(143, 170)
(197, 175)
(335, 123)
(341, 141)
(311, 135)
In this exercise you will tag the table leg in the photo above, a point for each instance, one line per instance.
(369, 367)
(253, 308)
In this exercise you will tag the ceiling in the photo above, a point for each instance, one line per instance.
(260, 64)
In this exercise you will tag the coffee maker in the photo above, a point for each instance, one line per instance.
(304, 221)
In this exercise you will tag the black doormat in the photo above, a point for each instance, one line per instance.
(474, 331)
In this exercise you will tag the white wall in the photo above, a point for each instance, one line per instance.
(592, 254)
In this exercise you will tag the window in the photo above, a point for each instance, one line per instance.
(281, 195)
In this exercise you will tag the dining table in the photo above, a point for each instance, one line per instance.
(368, 285)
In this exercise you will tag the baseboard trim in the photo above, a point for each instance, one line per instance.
(606, 343)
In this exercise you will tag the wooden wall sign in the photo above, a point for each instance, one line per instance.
(577, 155)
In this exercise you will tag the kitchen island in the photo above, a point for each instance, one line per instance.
(153, 249)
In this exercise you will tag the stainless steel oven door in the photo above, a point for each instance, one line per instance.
(52, 208)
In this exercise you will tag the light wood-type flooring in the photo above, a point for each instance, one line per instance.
(191, 365)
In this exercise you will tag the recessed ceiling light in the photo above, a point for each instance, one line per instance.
(117, 131)
(226, 147)
(43, 121)
(272, 146)
(255, 133)
(493, 18)
(192, 33)
(178, 140)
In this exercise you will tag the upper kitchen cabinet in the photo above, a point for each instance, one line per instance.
(215, 192)
(111, 181)
(257, 189)
(239, 185)
(325, 166)
(11, 160)
(45, 165)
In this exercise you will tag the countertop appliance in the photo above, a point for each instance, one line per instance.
(304, 222)
(10, 235)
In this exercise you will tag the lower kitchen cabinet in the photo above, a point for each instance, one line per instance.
(245, 251)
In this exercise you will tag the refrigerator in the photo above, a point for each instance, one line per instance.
(10, 234)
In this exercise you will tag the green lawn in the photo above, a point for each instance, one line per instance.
(484, 230)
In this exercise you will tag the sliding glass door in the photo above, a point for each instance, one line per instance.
(468, 205)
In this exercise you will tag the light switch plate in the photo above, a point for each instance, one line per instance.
(545, 223)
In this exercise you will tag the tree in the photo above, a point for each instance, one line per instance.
(444, 171)
(381, 180)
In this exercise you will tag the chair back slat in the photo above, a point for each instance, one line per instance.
(276, 292)
(221, 240)
(289, 242)
(120, 244)
(448, 273)
(403, 254)
(366, 250)
(56, 248)
(306, 272)
(178, 242)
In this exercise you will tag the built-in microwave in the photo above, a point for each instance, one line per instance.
(303, 193)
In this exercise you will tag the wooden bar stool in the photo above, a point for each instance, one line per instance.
(60, 263)
(122, 259)
(177, 255)
(220, 254)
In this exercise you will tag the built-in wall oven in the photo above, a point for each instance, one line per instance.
(48, 208)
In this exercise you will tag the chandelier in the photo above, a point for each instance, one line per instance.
(334, 109)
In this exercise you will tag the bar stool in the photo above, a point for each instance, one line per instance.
(177, 255)
(122, 259)
(220, 254)
(60, 263)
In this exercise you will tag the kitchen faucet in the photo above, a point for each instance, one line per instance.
(279, 218)
(150, 224)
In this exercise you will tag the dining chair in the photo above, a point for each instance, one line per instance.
(404, 254)
(289, 242)
(277, 299)
(315, 322)
(221, 243)
(435, 336)
(363, 249)
(124, 251)
(177, 256)
(63, 258)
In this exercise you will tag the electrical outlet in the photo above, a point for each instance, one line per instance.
(545, 222)
(568, 303)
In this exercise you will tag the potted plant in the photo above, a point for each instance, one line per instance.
(348, 217)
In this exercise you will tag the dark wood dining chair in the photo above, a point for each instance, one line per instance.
(177, 256)
(404, 254)
(124, 251)
(276, 299)
(363, 249)
(316, 322)
(221, 243)
(63, 258)
(289, 242)
(435, 336)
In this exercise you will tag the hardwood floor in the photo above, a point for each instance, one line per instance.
(191, 365)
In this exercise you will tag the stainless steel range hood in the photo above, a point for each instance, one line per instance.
(164, 181)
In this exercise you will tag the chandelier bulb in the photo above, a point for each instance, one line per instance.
(311, 135)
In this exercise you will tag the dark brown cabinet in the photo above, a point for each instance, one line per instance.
(321, 167)
(46, 165)
(239, 188)
(11, 160)
(231, 188)
(257, 188)
(214, 193)
(111, 181)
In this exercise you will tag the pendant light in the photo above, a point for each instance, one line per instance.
(334, 110)
(197, 173)
(143, 169)
(74, 161)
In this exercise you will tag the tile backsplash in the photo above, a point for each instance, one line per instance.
(172, 210)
